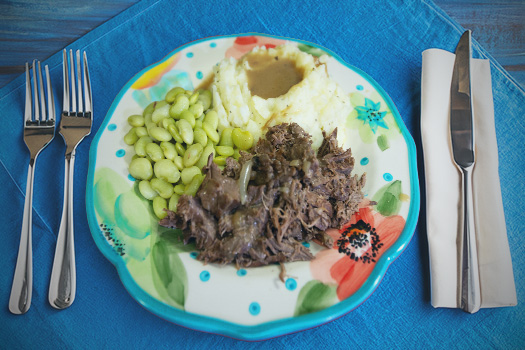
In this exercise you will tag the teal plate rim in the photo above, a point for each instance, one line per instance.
(274, 328)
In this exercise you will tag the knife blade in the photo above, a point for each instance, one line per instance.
(463, 149)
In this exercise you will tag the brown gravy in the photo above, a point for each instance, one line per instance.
(271, 76)
(206, 82)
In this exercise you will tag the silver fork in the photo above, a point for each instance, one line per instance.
(39, 130)
(75, 124)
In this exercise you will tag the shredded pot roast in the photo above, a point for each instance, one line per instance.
(259, 210)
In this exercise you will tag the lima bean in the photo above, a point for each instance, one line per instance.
(192, 188)
(225, 151)
(141, 169)
(140, 145)
(136, 120)
(174, 200)
(242, 139)
(168, 149)
(187, 174)
(160, 113)
(154, 152)
(192, 154)
(181, 104)
(236, 154)
(185, 131)
(193, 97)
(141, 131)
(226, 137)
(162, 187)
(160, 134)
(211, 118)
(180, 149)
(203, 160)
(172, 94)
(146, 190)
(149, 109)
(211, 132)
(166, 122)
(220, 160)
(188, 116)
(197, 109)
(174, 131)
(179, 162)
(159, 207)
(131, 137)
(179, 189)
(165, 170)
(200, 136)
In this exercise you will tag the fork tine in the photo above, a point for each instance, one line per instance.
(50, 97)
(79, 82)
(41, 95)
(87, 87)
(72, 76)
(29, 102)
(35, 94)
(65, 105)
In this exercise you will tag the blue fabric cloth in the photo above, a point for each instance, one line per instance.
(385, 39)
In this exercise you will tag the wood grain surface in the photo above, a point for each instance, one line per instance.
(32, 29)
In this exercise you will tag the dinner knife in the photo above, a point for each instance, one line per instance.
(463, 148)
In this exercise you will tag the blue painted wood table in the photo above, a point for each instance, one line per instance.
(383, 38)
(32, 29)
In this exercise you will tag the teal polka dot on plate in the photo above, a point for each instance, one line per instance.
(120, 153)
(254, 308)
(241, 272)
(290, 284)
(306, 244)
(388, 177)
(189, 54)
(359, 87)
(194, 255)
(213, 44)
(199, 75)
(131, 178)
(112, 127)
(205, 276)
(364, 161)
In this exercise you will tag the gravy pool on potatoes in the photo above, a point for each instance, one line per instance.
(271, 76)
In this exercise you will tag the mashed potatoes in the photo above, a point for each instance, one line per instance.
(309, 97)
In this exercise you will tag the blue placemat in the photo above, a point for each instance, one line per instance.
(385, 39)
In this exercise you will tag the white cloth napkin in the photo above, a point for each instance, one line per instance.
(443, 183)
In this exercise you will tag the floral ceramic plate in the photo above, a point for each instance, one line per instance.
(163, 275)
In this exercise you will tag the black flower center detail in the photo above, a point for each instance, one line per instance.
(108, 232)
(360, 241)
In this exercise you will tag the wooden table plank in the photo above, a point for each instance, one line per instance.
(32, 29)
(498, 26)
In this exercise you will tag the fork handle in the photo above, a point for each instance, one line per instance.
(22, 288)
(62, 287)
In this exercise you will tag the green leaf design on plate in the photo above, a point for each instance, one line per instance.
(312, 50)
(135, 248)
(170, 277)
(387, 198)
(315, 296)
(357, 99)
(108, 186)
(382, 142)
(132, 215)
(125, 214)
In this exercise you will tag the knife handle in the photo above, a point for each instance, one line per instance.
(470, 294)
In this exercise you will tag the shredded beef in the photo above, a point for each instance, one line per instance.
(294, 195)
